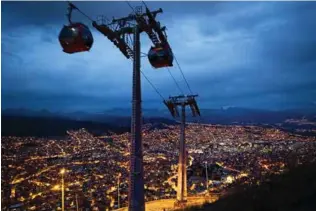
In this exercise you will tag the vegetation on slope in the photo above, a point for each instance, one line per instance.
(292, 191)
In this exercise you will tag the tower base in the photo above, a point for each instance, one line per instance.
(180, 204)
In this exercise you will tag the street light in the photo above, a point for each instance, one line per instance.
(118, 190)
(77, 202)
(206, 178)
(62, 172)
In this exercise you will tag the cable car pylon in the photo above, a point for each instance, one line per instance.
(172, 104)
(160, 56)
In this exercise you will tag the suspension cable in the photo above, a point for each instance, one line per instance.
(199, 121)
(143, 53)
(167, 67)
(182, 74)
(152, 85)
(130, 6)
(75, 7)
(144, 4)
(177, 84)
(179, 68)
(174, 80)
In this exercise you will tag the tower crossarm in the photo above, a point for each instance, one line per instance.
(155, 25)
(115, 38)
(146, 23)
(182, 100)
(133, 17)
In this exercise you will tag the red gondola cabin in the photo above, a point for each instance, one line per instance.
(160, 56)
(75, 38)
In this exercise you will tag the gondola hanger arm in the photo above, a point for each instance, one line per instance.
(71, 6)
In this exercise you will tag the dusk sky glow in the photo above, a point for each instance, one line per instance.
(245, 54)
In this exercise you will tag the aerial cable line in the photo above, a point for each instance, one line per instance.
(144, 54)
(143, 72)
(175, 81)
(152, 85)
(167, 67)
(75, 7)
(178, 66)
(130, 6)
(145, 22)
(144, 4)
(182, 74)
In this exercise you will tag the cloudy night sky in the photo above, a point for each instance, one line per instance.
(245, 54)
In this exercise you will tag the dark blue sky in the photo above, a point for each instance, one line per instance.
(246, 54)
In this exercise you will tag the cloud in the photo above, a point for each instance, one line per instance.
(251, 54)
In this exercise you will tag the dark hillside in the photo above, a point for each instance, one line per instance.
(52, 126)
(293, 191)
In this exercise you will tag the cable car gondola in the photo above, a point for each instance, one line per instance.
(160, 56)
(75, 37)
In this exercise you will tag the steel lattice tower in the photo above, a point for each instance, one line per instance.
(117, 31)
(136, 181)
(136, 199)
(182, 165)
(172, 105)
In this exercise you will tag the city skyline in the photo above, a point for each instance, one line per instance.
(244, 54)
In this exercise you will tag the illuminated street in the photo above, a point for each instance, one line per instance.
(234, 154)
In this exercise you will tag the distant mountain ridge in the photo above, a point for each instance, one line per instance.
(254, 116)
(52, 126)
(25, 122)
(121, 116)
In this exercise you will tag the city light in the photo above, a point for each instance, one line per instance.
(56, 188)
(233, 154)
(229, 179)
(63, 171)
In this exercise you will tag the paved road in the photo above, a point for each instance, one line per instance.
(168, 204)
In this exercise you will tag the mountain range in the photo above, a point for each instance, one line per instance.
(44, 123)
(121, 116)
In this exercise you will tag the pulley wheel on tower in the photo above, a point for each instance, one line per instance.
(160, 56)
(75, 38)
